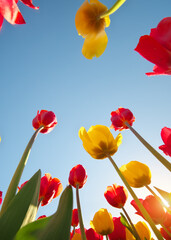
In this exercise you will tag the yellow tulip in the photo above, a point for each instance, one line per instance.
(77, 236)
(90, 26)
(99, 141)
(102, 222)
(142, 230)
(136, 173)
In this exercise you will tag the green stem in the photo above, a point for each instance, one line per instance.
(113, 9)
(132, 225)
(166, 230)
(166, 163)
(83, 236)
(18, 172)
(107, 237)
(140, 206)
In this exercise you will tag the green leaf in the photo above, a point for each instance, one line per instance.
(11, 192)
(165, 195)
(30, 231)
(12, 219)
(59, 225)
(125, 222)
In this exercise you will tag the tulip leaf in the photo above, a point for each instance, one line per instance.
(125, 222)
(59, 225)
(11, 192)
(29, 231)
(165, 195)
(12, 219)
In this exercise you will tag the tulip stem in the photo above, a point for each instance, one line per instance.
(166, 163)
(139, 204)
(166, 230)
(113, 9)
(107, 237)
(157, 197)
(18, 172)
(132, 225)
(83, 236)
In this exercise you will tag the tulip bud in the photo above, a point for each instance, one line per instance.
(77, 176)
(45, 118)
(116, 195)
(120, 117)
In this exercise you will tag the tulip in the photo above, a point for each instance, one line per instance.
(136, 173)
(50, 188)
(0, 197)
(77, 176)
(92, 235)
(102, 222)
(119, 232)
(153, 207)
(156, 47)
(116, 195)
(78, 231)
(120, 117)
(167, 222)
(90, 26)
(166, 137)
(10, 11)
(77, 236)
(143, 232)
(45, 118)
(43, 216)
(99, 141)
(165, 234)
(75, 220)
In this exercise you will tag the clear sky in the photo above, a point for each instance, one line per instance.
(42, 67)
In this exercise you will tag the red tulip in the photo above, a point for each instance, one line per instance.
(10, 11)
(156, 47)
(153, 207)
(75, 220)
(49, 188)
(43, 216)
(45, 118)
(166, 137)
(119, 232)
(92, 235)
(119, 117)
(0, 197)
(77, 176)
(116, 195)
(22, 185)
(167, 222)
(165, 234)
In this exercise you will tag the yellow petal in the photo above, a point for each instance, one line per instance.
(87, 19)
(94, 45)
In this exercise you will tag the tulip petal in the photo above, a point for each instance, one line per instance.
(10, 11)
(166, 135)
(162, 33)
(154, 52)
(1, 21)
(94, 45)
(29, 3)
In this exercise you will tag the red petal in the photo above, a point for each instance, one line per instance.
(166, 136)
(162, 33)
(29, 3)
(1, 21)
(10, 11)
(154, 52)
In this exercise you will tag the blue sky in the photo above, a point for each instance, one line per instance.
(42, 67)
